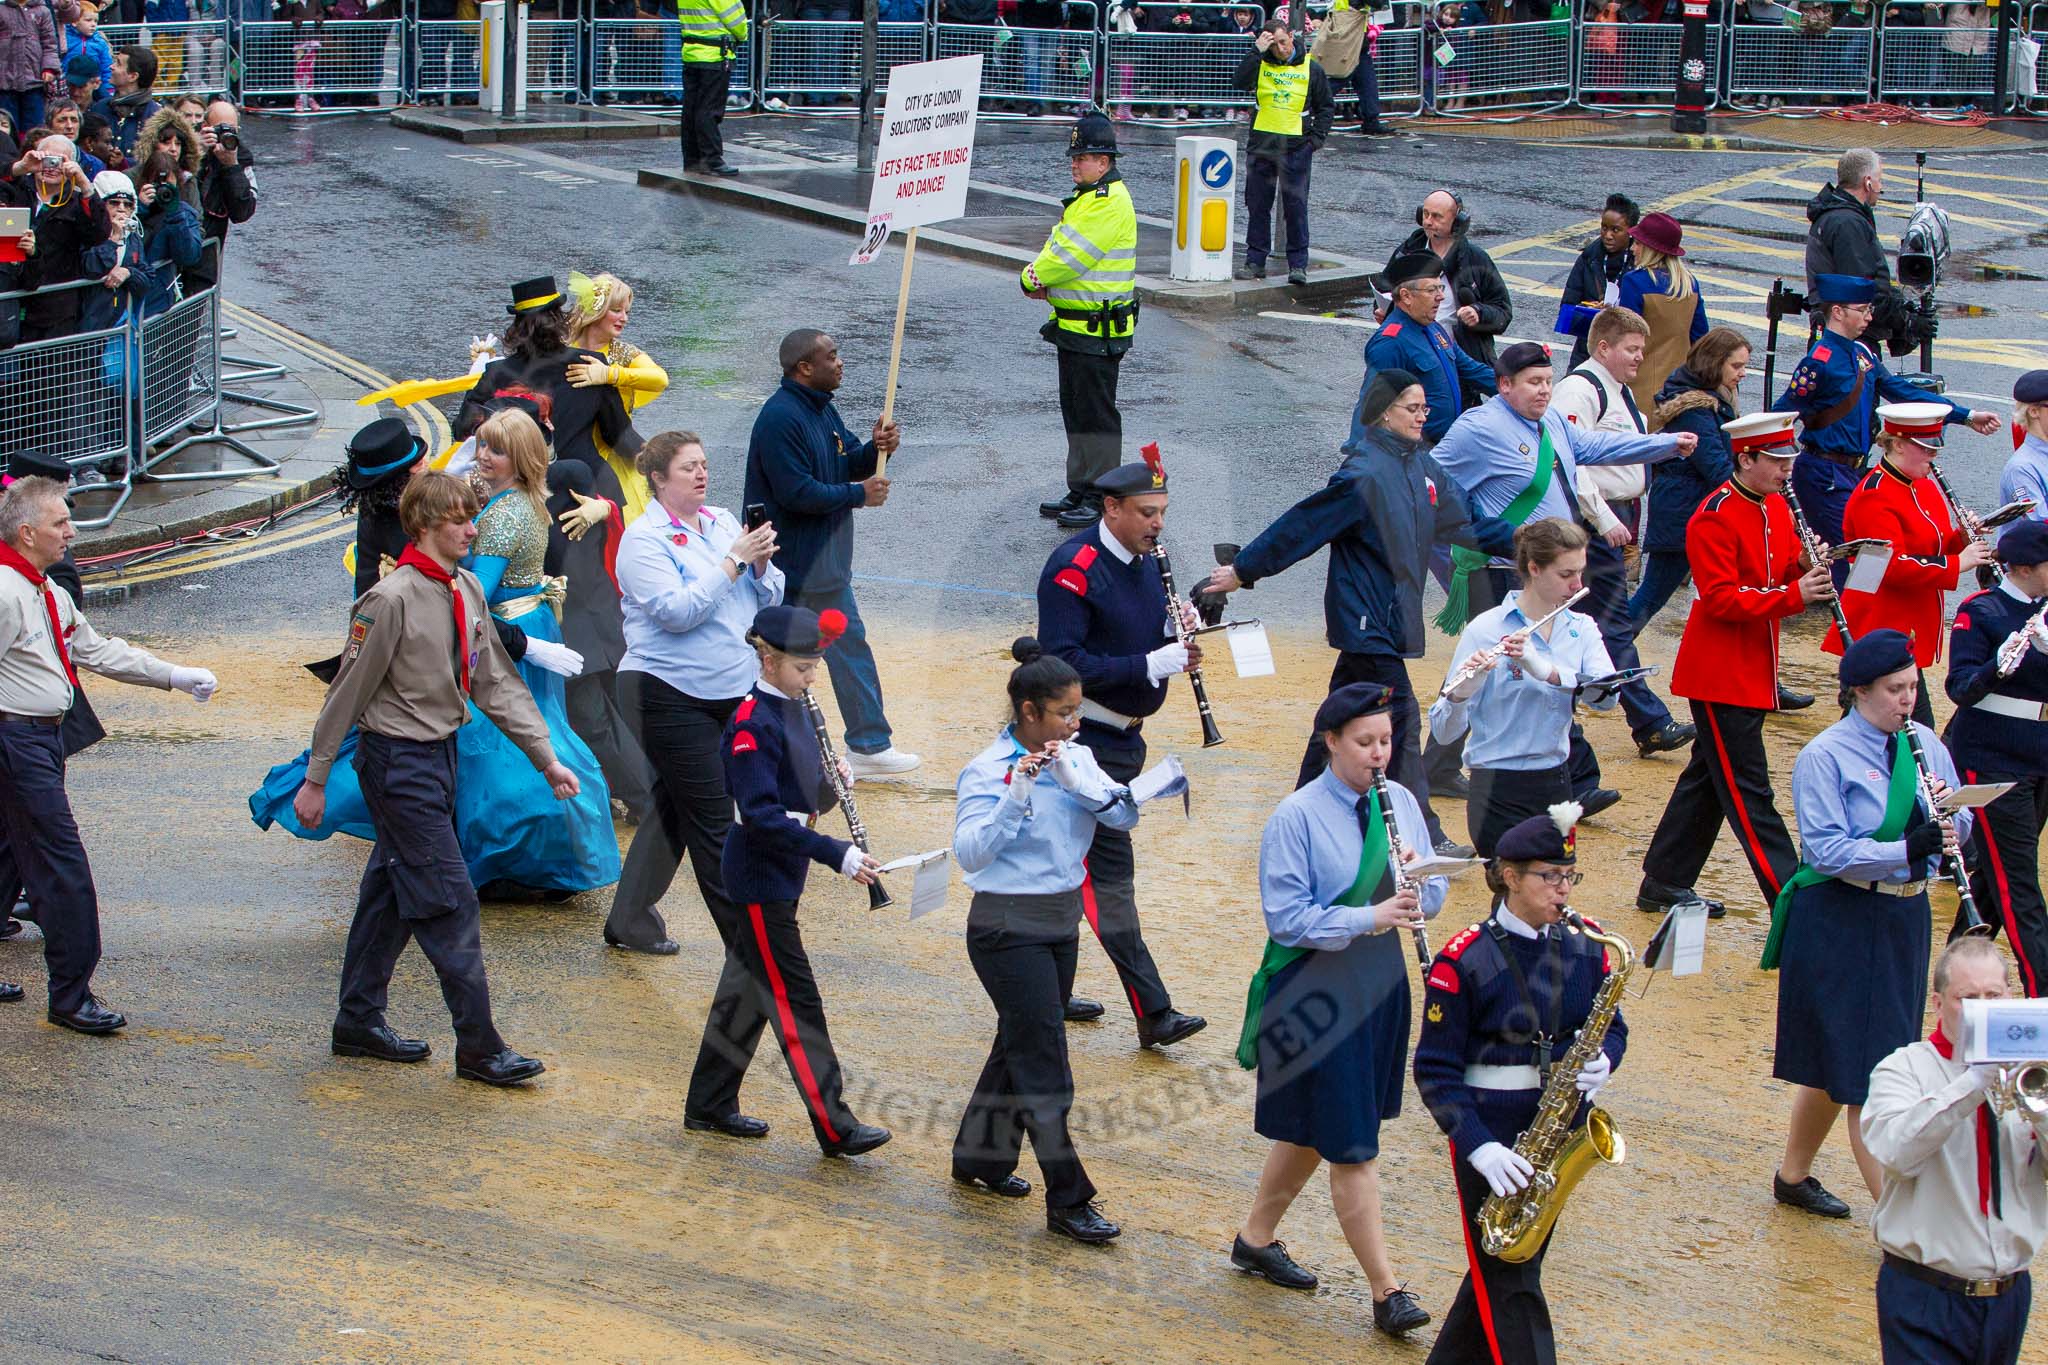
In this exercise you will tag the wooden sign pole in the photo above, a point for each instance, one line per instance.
(896, 344)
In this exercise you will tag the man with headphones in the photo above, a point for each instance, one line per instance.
(1474, 304)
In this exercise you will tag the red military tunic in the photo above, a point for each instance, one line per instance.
(1744, 552)
(1915, 518)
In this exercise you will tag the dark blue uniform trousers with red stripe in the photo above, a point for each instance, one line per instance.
(1925, 1324)
(2005, 876)
(415, 887)
(767, 979)
(44, 856)
(1727, 778)
(1500, 1315)
(1107, 896)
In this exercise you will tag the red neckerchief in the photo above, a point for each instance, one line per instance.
(1990, 1195)
(13, 559)
(420, 560)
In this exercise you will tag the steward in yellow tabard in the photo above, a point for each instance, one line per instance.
(1291, 125)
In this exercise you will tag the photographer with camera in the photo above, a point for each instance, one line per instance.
(1842, 240)
(65, 217)
(227, 189)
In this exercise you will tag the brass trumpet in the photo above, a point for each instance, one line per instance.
(2022, 1087)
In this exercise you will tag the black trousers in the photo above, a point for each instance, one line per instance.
(1504, 797)
(692, 809)
(45, 857)
(1607, 604)
(1727, 778)
(593, 704)
(2005, 873)
(704, 91)
(1095, 429)
(1406, 766)
(1108, 898)
(1500, 1314)
(415, 887)
(767, 978)
(1026, 1086)
(1925, 1324)
(1290, 171)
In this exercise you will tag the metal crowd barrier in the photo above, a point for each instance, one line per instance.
(1042, 65)
(639, 60)
(1770, 60)
(1178, 70)
(1507, 66)
(1397, 64)
(314, 59)
(66, 398)
(1636, 64)
(1921, 61)
(820, 58)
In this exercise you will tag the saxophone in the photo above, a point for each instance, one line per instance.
(1514, 1228)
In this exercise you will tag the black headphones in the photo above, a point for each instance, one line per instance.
(1459, 223)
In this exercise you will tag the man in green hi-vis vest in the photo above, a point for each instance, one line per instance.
(712, 31)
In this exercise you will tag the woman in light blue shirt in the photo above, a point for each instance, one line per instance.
(1027, 812)
(690, 584)
(1518, 708)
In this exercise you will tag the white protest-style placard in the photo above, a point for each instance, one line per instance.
(927, 147)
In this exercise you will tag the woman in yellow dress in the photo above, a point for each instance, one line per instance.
(601, 305)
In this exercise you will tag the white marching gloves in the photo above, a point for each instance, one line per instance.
(559, 659)
(196, 681)
(1505, 1171)
(1165, 661)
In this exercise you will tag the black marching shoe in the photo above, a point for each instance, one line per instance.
(1066, 502)
(1082, 514)
(91, 1017)
(1248, 271)
(1593, 802)
(498, 1068)
(1012, 1186)
(9, 928)
(1377, 130)
(1788, 700)
(734, 1124)
(1297, 277)
(9, 992)
(1671, 735)
(1655, 898)
(1081, 1010)
(1451, 848)
(1398, 1312)
(1083, 1223)
(380, 1042)
(667, 947)
(722, 169)
(1454, 786)
(1168, 1027)
(1272, 1262)
(1808, 1196)
(865, 1137)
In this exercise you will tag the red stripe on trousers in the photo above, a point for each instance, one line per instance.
(1478, 1281)
(1095, 923)
(792, 1042)
(2012, 928)
(1746, 831)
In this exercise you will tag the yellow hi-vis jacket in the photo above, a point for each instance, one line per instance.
(712, 29)
(1089, 269)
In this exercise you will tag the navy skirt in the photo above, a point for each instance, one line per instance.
(1333, 1048)
(1852, 985)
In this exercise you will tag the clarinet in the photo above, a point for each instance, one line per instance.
(878, 895)
(1988, 575)
(1398, 857)
(1211, 736)
(1818, 553)
(1973, 923)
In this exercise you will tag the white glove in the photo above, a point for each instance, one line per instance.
(1594, 1075)
(197, 681)
(1165, 661)
(2039, 635)
(558, 659)
(1981, 1077)
(1505, 1171)
(1067, 771)
(851, 863)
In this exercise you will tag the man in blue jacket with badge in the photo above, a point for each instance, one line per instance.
(1412, 339)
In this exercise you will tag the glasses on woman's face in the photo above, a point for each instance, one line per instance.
(1419, 409)
(1556, 879)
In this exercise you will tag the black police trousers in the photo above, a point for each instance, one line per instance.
(1026, 1086)
(692, 809)
(767, 979)
(415, 887)
(704, 92)
(1095, 429)
(1108, 898)
(2005, 875)
(45, 857)
(1727, 778)
(1500, 1315)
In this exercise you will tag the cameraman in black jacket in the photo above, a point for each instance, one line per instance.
(1842, 240)
(227, 189)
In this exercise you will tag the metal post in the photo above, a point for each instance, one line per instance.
(2001, 56)
(512, 57)
(870, 19)
(1689, 106)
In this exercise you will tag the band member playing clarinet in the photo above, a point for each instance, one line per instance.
(777, 779)
(1850, 930)
(1102, 608)
(1521, 665)
(1327, 1020)
(1930, 550)
(1029, 805)
(1998, 680)
(1503, 1001)
(1748, 567)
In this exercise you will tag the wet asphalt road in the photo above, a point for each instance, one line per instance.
(214, 1187)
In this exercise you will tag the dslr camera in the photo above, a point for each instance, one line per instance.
(227, 135)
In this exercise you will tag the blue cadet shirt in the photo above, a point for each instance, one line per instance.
(1308, 857)
(805, 467)
(1103, 609)
(1826, 376)
(685, 621)
(2025, 476)
(1425, 350)
(1839, 785)
(1986, 742)
(1516, 720)
(773, 768)
(1475, 1014)
(1029, 839)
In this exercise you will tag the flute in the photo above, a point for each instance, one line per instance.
(1397, 857)
(878, 895)
(1973, 923)
(1484, 659)
(1211, 736)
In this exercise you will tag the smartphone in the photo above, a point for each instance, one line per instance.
(757, 513)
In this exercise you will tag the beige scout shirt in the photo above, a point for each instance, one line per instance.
(399, 678)
(1578, 400)
(1920, 1123)
(32, 679)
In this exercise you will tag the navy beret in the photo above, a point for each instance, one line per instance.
(1874, 656)
(1411, 266)
(2031, 387)
(1130, 480)
(799, 631)
(1549, 838)
(1380, 393)
(2024, 542)
(1523, 355)
(1351, 701)
(1844, 288)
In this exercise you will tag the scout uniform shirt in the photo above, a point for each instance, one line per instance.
(35, 678)
(400, 676)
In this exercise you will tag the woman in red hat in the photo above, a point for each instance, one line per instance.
(1665, 293)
